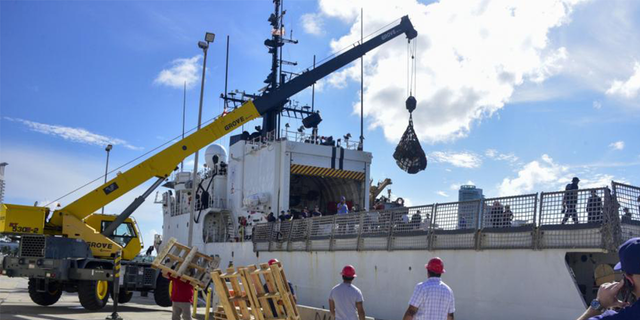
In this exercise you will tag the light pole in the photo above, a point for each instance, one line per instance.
(106, 168)
(204, 45)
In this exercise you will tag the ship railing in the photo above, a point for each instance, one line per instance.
(304, 137)
(508, 222)
(627, 207)
(177, 208)
(572, 218)
(261, 141)
(603, 219)
(412, 228)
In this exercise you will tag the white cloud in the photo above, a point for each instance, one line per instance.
(510, 157)
(597, 105)
(628, 89)
(183, 70)
(618, 145)
(312, 24)
(491, 153)
(495, 155)
(598, 181)
(458, 159)
(442, 193)
(543, 174)
(74, 134)
(471, 57)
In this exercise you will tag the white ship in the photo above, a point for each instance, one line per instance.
(506, 258)
(498, 269)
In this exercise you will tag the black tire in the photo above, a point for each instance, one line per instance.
(51, 296)
(89, 296)
(162, 294)
(124, 296)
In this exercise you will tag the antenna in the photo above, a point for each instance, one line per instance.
(361, 145)
(184, 107)
(313, 88)
(226, 76)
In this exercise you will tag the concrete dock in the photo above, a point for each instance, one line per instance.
(15, 304)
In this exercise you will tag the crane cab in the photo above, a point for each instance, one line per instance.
(126, 235)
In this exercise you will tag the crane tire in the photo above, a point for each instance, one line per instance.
(124, 296)
(92, 294)
(162, 294)
(47, 298)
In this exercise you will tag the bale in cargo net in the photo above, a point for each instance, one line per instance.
(409, 154)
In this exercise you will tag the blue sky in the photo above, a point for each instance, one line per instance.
(513, 98)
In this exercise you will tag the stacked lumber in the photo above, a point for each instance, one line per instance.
(243, 296)
(179, 261)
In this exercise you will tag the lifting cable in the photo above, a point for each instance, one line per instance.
(409, 155)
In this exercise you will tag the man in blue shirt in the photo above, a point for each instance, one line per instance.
(342, 206)
(629, 253)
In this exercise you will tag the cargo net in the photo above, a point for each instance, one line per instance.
(409, 154)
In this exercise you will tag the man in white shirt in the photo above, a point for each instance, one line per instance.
(432, 299)
(346, 298)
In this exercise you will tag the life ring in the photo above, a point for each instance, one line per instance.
(400, 201)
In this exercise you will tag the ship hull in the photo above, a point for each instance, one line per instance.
(492, 284)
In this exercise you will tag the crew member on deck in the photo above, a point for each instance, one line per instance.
(342, 206)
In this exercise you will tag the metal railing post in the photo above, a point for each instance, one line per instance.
(361, 226)
(291, 230)
(308, 237)
(391, 227)
(277, 225)
(333, 230)
(478, 232)
(538, 238)
(534, 232)
(432, 234)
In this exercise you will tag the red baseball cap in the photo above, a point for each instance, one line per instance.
(349, 271)
(272, 261)
(435, 265)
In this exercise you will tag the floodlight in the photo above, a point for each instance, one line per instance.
(209, 37)
(312, 120)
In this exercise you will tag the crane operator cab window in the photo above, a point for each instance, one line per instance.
(122, 235)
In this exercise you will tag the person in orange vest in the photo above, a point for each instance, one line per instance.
(181, 299)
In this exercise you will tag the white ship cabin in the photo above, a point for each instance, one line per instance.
(259, 175)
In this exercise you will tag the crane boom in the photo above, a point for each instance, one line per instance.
(163, 163)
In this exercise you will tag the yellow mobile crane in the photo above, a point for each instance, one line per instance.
(73, 248)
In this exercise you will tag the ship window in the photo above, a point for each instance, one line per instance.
(122, 235)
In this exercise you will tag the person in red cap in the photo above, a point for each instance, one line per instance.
(346, 298)
(266, 289)
(432, 299)
(607, 297)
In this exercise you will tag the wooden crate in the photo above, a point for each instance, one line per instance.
(243, 296)
(186, 263)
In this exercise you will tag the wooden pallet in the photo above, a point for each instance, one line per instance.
(243, 296)
(186, 263)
